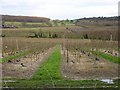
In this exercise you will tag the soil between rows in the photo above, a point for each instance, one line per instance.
(16, 70)
(86, 68)
(83, 69)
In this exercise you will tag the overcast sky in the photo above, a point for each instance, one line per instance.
(60, 9)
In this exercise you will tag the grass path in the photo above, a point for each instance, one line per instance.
(12, 57)
(50, 70)
(108, 57)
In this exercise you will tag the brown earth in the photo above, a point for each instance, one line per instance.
(87, 67)
(30, 65)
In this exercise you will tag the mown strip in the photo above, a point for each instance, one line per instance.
(12, 57)
(50, 70)
(108, 57)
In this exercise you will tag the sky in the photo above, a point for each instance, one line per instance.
(60, 9)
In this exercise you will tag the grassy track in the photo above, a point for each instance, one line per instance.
(13, 57)
(108, 57)
(50, 70)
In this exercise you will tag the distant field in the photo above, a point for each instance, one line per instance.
(77, 32)
(101, 29)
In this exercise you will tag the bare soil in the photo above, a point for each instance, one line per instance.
(87, 67)
(29, 65)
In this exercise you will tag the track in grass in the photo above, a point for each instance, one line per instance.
(51, 68)
(108, 57)
(12, 57)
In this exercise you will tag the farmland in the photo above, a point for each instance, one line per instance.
(60, 54)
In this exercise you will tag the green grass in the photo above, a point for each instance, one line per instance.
(50, 70)
(108, 57)
(57, 83)
(27, 24)
(12, 57)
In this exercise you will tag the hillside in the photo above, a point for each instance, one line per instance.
(24, 18)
